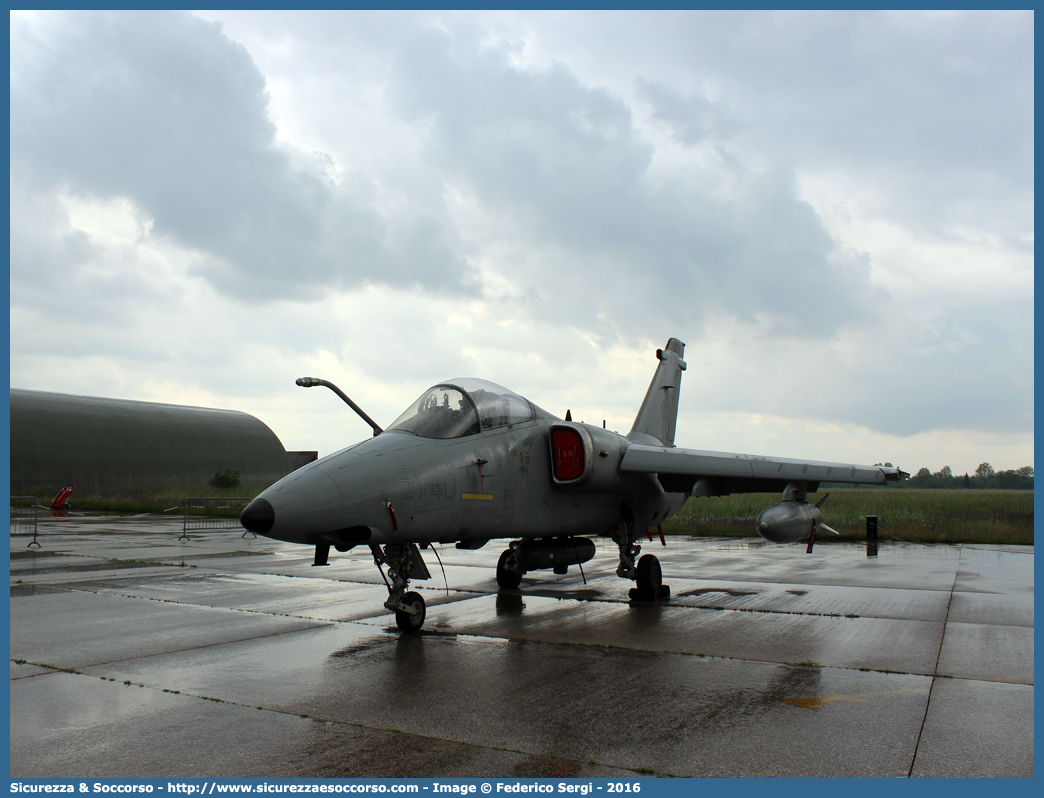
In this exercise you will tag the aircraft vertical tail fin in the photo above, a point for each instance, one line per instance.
(658, 415)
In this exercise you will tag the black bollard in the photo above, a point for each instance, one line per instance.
(871, 536)
(322, 554)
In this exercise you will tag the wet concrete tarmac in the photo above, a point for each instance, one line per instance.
(134, 654)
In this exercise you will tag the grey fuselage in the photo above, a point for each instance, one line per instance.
(399, 487)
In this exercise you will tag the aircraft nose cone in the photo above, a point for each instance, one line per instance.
(258, 516)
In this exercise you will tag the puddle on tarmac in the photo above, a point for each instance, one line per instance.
(724, 590)
(22, 591)
(109, 565)
(32, 555)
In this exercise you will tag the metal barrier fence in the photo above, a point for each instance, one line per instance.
(199, 514)
(25, 514)
(212, 513)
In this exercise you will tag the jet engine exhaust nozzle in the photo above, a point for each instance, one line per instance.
(258, 517)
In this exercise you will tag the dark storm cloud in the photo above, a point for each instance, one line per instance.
(878, 73)
(937, 105)
(164, 109)
(565, 163)
(647, 183)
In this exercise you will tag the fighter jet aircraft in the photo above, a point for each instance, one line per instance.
(471, 461)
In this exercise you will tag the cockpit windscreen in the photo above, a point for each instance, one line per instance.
(463, 407)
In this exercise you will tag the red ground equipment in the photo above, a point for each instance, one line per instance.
(61, 501)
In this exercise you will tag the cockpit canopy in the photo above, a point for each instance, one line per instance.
(463, 407)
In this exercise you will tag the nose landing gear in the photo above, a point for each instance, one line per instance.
(411, 617)
(404, 562)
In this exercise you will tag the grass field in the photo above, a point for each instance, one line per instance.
(914, 516)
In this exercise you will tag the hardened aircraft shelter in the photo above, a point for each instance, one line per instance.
(123, 446)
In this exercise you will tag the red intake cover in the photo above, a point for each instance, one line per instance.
(568, 451)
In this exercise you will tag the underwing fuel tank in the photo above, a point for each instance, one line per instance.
(536, 555)
(788, 522)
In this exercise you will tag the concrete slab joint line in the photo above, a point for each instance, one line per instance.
(935, 671)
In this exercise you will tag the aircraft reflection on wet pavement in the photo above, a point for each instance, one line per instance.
(471, 461)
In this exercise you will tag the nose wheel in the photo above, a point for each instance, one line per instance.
(411, 617)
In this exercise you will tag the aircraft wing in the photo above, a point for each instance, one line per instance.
(679, 471)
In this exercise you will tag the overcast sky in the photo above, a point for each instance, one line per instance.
(834, 211)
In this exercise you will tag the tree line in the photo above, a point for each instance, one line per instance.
(985, 476)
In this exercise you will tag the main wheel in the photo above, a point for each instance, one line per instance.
(650, 578)
(507, 578)
(409, 622)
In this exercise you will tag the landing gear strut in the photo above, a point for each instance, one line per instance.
(646, 572)
(402, 559)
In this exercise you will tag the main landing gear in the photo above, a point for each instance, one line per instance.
(403, 561)
(509, 575)
(538, 554)
(646, 573)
